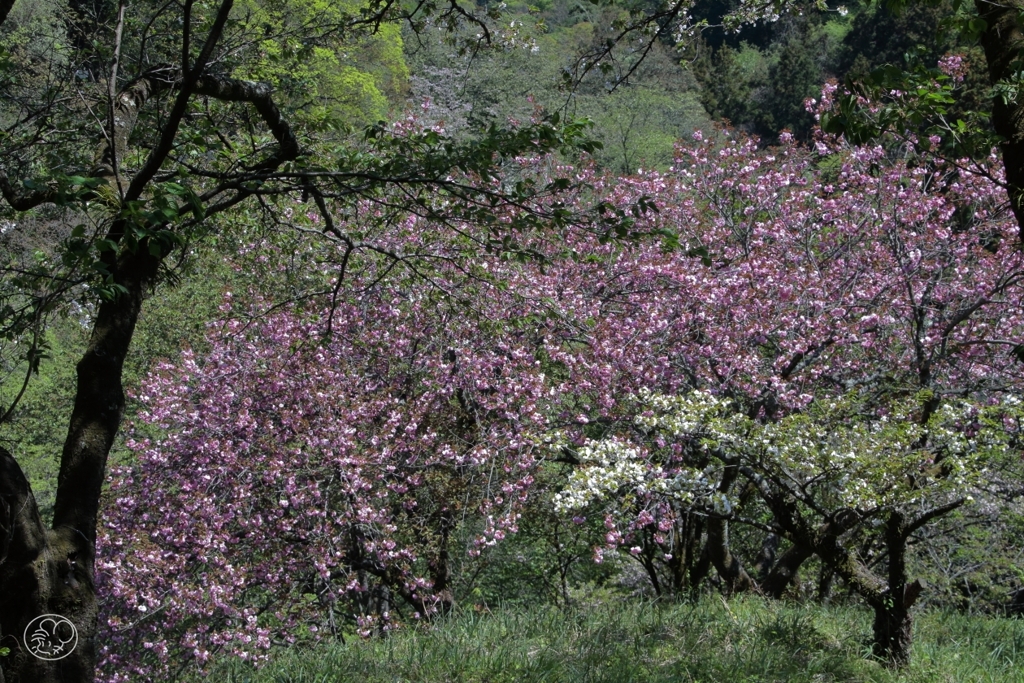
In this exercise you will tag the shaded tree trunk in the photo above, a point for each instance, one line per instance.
(1003, 42)
(892, 633)
(893, 623)
(785, 572)
(701, 568)
(685, 551)
(39, 576)
(726, 564)
(52, 571)
(766, 557)
(440, 565)
(890, 596)
(825, 581)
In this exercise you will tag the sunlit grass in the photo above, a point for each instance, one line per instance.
(622, 642)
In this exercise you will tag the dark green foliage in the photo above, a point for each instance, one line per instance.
(878, 36)
(762, 90)
(716, 37)
(909, 38)
(758, 79)
(934, 105)
(795, 77)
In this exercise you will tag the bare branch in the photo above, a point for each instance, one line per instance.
(163, 148)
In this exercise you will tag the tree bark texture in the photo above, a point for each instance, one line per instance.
(40, 573)
(52, 572)
(785, 571)
(766, 557)
(893, 622)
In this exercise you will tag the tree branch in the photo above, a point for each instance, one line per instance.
(23, 201)
(934, 513)
(258, 95)
(163, 148)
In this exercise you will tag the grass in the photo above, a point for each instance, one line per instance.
(746, 640)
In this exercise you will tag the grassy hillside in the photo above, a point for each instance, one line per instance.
(618, 642)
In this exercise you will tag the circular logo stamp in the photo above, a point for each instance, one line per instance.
(51, 637)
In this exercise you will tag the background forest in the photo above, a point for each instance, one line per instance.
(695, 346)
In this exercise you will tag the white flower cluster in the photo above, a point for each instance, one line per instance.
(608, 466)
(832, 449)
(698, 413)
(551, 443)
(613, 466)
(840, 453)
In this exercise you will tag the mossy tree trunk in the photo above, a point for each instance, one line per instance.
(726, 563)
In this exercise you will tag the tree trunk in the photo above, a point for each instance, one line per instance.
(893, 626)
(726, 564)
(52, 572)
(440, 565)
(685, 547)
(38, 577)
(766, 557)
(652, 572)
(892, 634)
(701, 569)
(1003, 42)
(825, 581)
(784, 573)
(893, 623)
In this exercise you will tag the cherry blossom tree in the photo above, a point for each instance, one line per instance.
(175, 134)
(326, 461)
(133, 131)
(840, 296)
(853, 274)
